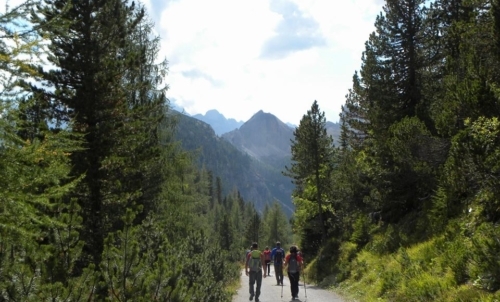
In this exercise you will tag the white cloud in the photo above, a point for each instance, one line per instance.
(10, 4)
(215, 49)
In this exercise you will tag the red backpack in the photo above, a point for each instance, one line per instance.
(267, 255)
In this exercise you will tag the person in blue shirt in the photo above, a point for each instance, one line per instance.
(278, 258)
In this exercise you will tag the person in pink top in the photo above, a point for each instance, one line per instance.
(267, 259)
(293, 265)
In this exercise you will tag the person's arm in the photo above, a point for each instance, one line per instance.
(272, 254)
(301, 263)
(246, 264)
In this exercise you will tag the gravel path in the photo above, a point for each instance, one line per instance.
(271, 292)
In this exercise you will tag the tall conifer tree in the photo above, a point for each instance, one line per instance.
(105, 83)
(312, 151)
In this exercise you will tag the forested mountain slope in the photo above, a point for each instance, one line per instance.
(333, 129)
(257, 182)
(265, 138)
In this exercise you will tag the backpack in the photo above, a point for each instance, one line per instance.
(293, 265)
(267, 255)
(254, 262)
(278, 257)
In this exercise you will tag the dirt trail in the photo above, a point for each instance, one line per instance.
(271, 292)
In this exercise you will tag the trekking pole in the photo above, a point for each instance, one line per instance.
(281, 276)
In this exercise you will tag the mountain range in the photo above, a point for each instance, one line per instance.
(218, 121)
(247, 156)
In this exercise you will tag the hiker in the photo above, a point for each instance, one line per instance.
(278, 256)
(267, 259)
(254, 266)
(293, 265)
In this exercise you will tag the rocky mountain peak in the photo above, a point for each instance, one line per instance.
(263, 136)
(218, 121)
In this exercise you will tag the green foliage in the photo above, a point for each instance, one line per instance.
(254, 230)
(124, 271)
(105, 206)
(485, 251)
(424, 287)
(347, 253)
(470, 167)
(467, 293)
(322, 266)
(384, 240)
(312, 153)
(276, 226)
(419, 150)
(361, 230)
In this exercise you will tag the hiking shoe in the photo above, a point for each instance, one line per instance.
(256, 299)
(251, 298)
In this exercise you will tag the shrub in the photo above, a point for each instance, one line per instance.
(387, 241)
(347, 252)
(485, 255)
(424, 287)
(360, 234)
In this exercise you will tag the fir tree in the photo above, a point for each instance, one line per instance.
(100, 65)
(312, 151)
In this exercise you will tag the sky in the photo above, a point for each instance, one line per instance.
(278, 56)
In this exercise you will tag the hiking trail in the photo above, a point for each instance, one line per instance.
(271, 292)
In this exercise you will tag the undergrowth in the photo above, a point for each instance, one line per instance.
(449, 267)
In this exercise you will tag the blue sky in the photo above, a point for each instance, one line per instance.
(242, 56)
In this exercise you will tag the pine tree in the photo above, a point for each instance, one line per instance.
(277, 226)
(98, 62)
(218, 190)
(399, 31)
(147, 109)
(312, 151)
(39, 227)
(254, 227)
(470, 67)
(396, 75)
(470, 103)
(226, 232)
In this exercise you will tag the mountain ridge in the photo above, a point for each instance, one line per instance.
(218, 121)
(222, 125)
(250, 158)
(264, 137)
(256, 181)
